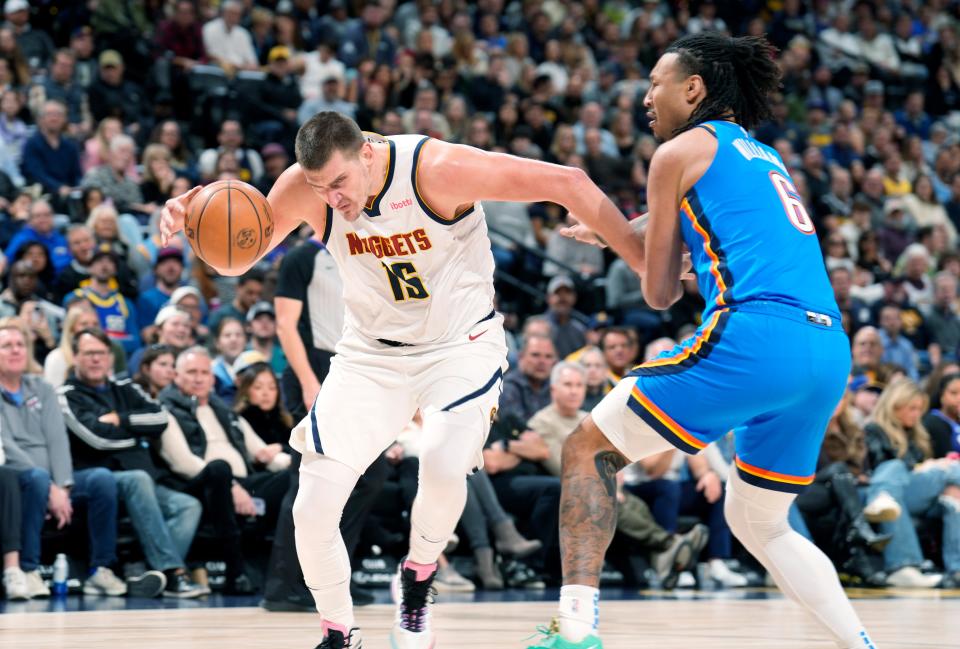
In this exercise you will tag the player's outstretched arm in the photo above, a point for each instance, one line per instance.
(453, 175)
(291, 202)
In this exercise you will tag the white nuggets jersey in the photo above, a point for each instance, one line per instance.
(409, 274)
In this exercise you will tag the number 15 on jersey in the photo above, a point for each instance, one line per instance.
(405, 282)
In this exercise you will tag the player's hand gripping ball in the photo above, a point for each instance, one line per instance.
(229, 224)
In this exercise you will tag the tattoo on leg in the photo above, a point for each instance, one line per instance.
(608, 464)
(588, 511)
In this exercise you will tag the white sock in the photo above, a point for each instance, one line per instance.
(579, 612)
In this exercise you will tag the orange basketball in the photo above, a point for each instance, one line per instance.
(229, 224)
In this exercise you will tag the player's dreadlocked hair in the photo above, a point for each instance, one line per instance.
(739, 74)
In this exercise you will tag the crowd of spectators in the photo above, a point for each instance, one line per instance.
(139, 385)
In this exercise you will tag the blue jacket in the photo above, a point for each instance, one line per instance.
(55, 243)
(52, 168)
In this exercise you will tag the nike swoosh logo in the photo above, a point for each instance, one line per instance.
(472, 338)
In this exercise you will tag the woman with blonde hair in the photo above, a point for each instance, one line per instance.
(158, 174)
(16, 322)
(110, 229)
(899, 453)
(59, 362)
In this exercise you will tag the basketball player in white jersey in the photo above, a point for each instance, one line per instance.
(403, 220)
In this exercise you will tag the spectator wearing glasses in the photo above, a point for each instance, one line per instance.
(35, 443)
(114, 425)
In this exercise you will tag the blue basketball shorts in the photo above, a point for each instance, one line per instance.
(770, 372)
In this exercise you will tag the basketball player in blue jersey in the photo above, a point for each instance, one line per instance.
(769, 362)
(401, 218)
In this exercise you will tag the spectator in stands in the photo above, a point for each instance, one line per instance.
(899, 451)
(40, 228)
(897, 350)
(171, 328)
(365, 37)
(867, 352)
(20, 298)
(566, 323)
(595, 367)
(943, 422)
(230, 340)
(15, 585)
(227, 42)
(258, 402)
(158, 174)
(82, 46)
(35, 443)
(13, 135)
(568, 388)
(839, 202)
(526, 389)
(169, 134)
(81, 245)
(114, 425)
(230, 140)
(215, 457)
(60, 85)
(156, 370)
(854, 311)
(249, 290)
(591, 116)
(118, 316)
(111, 178)
(188, 299)
(262, 327)
(181, 39)
(330, 98)
(275, 100)
(275, 162)
(942, 318)
(96, 150)
(927, 211)
(112, 95)
(319, 66)
(620, 348)
(58, 363)
(168, 273)
(912, 118)
(36, 45)
(35, 254)
(49, 157)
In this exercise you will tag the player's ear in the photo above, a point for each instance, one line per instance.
(694, 88)
(366, 152)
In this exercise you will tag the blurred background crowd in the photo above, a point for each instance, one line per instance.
(109, 108)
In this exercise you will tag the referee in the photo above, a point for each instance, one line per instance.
(309, 306)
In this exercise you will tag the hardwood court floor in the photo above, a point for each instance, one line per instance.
(713, 624)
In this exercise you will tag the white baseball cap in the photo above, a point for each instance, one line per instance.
(13, 6)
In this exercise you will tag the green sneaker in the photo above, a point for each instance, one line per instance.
(551, 639)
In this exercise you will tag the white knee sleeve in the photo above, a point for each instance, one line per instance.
(758, 517)
(449, 448)
(325, 486)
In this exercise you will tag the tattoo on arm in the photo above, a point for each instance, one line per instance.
(608, 464)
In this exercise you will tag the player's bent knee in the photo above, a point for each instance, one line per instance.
(451, 442)
(754, 512)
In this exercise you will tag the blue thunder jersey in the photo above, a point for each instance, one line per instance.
(749, 235)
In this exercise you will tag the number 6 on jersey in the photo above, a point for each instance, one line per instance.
(792, 203)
